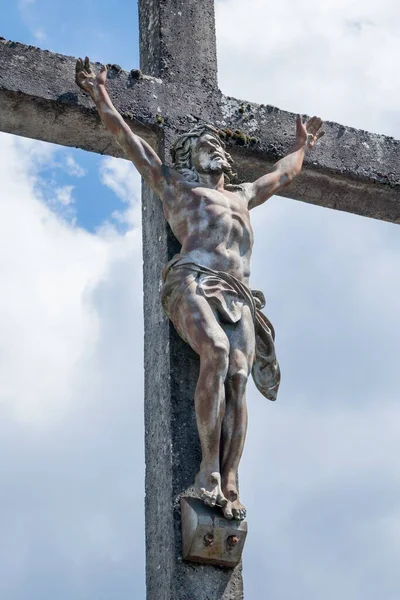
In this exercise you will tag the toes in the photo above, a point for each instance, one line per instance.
(221, 500)
(239, 513)
(207, 497)
(204, 495)
(228, 512)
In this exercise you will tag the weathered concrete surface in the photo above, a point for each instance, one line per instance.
(178, 42)
(39, 99)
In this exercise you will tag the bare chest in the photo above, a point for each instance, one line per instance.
(210, 215)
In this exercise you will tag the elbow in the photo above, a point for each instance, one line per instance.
(285, 179)
(122, 141)
(289, 176)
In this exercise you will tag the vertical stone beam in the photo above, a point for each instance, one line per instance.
(177, 41)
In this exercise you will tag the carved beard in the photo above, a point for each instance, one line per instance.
(220, 166)
(213, 165)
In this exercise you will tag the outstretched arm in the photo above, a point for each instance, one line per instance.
(136, 149)
(287, 168)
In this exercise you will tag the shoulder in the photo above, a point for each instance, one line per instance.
(169, 181)
(170, 175)
(245, 190)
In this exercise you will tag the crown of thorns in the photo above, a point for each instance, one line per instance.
(181, 143)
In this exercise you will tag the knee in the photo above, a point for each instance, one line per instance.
(238, 380)
(240, 376)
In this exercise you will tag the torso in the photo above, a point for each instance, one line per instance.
(212, 226)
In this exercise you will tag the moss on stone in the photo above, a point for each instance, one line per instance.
(136, 74)
(241, 138)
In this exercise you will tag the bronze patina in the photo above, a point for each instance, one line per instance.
(206, 290)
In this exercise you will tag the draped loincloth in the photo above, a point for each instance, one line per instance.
(227, 295)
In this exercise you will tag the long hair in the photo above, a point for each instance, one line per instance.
(181, 152)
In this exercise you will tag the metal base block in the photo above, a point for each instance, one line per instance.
(207, 537)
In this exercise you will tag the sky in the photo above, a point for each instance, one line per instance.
(320, 474)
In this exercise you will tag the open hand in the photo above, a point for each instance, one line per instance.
(86, 78)
(308, 133)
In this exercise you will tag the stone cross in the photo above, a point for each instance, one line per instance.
(354, 171)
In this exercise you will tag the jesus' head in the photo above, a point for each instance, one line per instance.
(201, 150)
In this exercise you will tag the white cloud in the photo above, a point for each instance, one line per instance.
(63, 194)
(70, 395)
(39, 34)
(117, 175)
(50, 272)
(336, 59)
(320, 474)
(73, 168)
(121, 177)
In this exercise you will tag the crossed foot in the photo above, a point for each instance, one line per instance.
(234, 508)
(213, 493)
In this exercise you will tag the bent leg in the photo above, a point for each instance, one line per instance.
(242, 348)
(199, 325)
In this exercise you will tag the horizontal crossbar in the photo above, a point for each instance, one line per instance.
(350, 170)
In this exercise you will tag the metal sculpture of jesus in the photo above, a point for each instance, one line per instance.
(206, 290)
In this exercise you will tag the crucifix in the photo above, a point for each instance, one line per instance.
(176, 90)
(205, 290)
